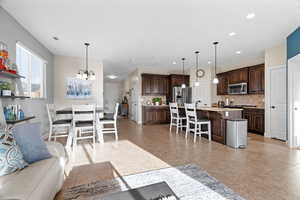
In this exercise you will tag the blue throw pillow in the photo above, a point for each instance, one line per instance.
(11, 158)
(29, 139)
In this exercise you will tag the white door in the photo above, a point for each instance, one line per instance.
(278, 103)
(294, 101)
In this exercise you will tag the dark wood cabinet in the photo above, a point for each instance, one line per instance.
(256, 79)
(154, 84)
(238, 76)
(156, 114)
(256, 120)
(254, 76)
(222, 87)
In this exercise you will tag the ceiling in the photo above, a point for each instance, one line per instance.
(126, 34)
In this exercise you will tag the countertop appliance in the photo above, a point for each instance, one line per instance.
(182, 95)
(238, 88)
(237, 130)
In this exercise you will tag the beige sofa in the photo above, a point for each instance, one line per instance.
(39, 181)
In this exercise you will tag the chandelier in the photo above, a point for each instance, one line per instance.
(85, 74)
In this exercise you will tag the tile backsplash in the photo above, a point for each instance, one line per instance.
(145, 99)
(255, 99)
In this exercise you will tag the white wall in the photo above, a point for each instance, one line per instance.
(11, 32)
(275, 56)
(204, 90)
(65, 67)
(113, 92)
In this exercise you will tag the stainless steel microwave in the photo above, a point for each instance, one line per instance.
(239, 88)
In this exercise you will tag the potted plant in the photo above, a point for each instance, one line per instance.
(156, 101)
(5, 89)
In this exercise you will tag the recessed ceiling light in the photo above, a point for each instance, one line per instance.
(55, 38)
(238, 52)
(209, 62)
(111, 76)
(174, 62)
(250, 16)
(232, 34)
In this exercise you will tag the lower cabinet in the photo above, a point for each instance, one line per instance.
(256, 120)
(156, 114)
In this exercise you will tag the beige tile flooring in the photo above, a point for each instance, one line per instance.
(266, 169)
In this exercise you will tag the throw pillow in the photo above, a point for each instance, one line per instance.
(31, 143)
(11, 158)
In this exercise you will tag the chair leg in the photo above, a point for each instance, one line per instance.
(116, 131)
(195, 134)
(94, 139)
(181, 124)
(50, 133)
(100, 135)
(209, 131)
(187, 129)
(171, 124)
(177, 125)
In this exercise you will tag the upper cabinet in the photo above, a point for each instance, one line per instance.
(253, 75)
(238, 76)
(256, 79)
(154, 84)
(222, 87)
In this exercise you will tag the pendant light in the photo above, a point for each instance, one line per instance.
(86, 74)
(183, 84)
(197, 83)
(216, 80)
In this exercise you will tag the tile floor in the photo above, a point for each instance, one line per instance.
(266, 170)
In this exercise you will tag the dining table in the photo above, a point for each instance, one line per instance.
(68, 111)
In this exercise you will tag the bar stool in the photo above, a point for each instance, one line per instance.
(191, 115)
(176, 119)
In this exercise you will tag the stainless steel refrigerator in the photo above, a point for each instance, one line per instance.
(182, 95)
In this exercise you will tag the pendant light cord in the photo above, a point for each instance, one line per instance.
(183, 59)
(86, 56)
(197, 63)
(215, 43)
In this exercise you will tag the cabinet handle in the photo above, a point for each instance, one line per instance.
(273, 107)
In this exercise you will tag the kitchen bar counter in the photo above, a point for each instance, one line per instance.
(218, 118)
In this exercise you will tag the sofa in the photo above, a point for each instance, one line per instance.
(39, 181)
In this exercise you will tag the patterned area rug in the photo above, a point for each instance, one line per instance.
(188, 182)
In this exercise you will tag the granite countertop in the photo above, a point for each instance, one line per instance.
(156, 106)
(216, 109)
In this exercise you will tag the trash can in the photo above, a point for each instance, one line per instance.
(236, 135)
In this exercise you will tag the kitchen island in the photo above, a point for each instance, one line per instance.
(218, 118)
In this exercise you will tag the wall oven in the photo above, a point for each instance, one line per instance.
(239, 88)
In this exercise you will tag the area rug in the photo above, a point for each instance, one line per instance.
(188, 182)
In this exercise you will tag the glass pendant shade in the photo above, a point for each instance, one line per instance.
(183, 85)
(197, 83)
(215, 81)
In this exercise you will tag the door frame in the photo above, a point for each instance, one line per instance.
(268, 98)
(291, 137)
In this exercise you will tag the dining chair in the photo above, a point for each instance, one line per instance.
(176, 118)
(194, 124)
(84, 126)
(57, 125)
(101, 129)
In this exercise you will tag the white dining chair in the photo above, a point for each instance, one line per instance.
(101, 129)
(194, 124)
(57, 127)
(176, 118)
(84, 123)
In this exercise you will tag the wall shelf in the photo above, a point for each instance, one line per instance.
(12, 122)
(10, 75)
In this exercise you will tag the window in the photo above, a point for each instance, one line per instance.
(33, 68)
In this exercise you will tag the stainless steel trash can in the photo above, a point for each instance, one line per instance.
(236, 135)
